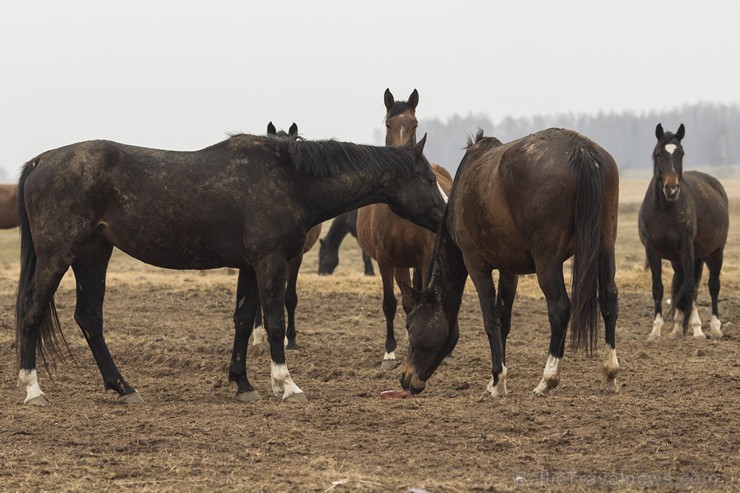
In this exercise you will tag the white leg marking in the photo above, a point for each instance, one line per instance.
(677, 324)
(714, 328)
(282, 384)
(670, 148)
(550, 377)
(657, 326)
(444, 195)
(611, 368)
(390, 356)
(500, 389)
(259, 335)
(27, 380)
(695, 322)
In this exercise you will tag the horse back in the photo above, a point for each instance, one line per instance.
(711, 208)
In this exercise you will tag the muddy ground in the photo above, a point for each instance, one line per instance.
(675, 424)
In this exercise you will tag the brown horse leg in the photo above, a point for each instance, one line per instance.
(247, 306)
(368, 263)
(271, 278)
(90, 268)
(291, 300)
(507, 284)
(550, 278)
(608, 296)
(389, 310)
(656, 267)
(714, 263)
(483, 281)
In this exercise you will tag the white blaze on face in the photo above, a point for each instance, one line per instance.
(670, 148)
(444, 195)
(282, 385)
(27, 380)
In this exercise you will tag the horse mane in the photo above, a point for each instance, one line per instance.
(321, 158)
(493, 141)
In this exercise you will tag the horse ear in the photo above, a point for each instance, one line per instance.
(388, 99)
(293, 131)
(409, 292)
(681, 132)
(413, 99)
(659, 131)
(419, 147)
(271, 130)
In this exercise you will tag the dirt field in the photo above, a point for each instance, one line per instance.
(674, 425)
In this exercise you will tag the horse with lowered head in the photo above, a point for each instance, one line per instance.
(329, 245)
(394, 242)
(684, 218)
(522, 207)
(245, 203)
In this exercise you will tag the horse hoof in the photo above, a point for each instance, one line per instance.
(132, 398)
(699, 335)
(448, 360)
(715, 334)
(39, 401)
(541, 392)
(299, 398)
(610, 386)
(675, 335)
(389, 364)
(248, 396)
(293, 346)
(653, 338)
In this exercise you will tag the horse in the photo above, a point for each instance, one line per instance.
(245, 203)
(329, 244)
(522, 207)
(8, 206)
(684, 218)
(395, 243)
(294, 266)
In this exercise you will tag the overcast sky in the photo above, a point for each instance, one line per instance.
(181, 74)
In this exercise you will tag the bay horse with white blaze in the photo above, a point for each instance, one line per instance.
(522, 207)
(684, 218)
(395, 243)
(294, 266)
(8, 206)
(341, 226)
(245, 203)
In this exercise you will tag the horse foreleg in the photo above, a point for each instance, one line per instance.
(291, 301)
(714, 263)
(656, 268)
(608, 296)
(550, 278)
(271, 273)
(389, 310)
(247, 306)
(678, 305)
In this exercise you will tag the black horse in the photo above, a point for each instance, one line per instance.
(329, 245)
(523, 207)
(245, 203)
(684, 219)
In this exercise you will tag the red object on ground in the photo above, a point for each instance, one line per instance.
(396, 394)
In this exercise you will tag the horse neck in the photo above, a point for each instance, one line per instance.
(333, 196)
(448, 272)
(337, 231)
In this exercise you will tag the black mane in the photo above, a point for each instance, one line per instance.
(491, 141)
(333, 158)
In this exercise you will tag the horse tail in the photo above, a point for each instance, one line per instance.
(589, 202)
(49, 334)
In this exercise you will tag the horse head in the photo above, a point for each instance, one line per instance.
(431, 336)
(281, 134)
(400, 119)
(668, 161)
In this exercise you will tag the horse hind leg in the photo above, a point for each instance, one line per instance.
(89, 269)
(390, 304)
(291, 302)
(247, 306)
(608, 302)
(714, 263)
(558, 310)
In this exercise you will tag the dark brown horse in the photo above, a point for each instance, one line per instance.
(523, 207)
(245, 203)
(8, 206)
(294, 266)
(395, 243)
(340, 227)
(684, 219)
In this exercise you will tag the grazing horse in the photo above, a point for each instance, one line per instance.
(294, 266)
(522, 207)
(395, 243)
(684, 219)
(245, 203)
(329, 245)
(8, 206)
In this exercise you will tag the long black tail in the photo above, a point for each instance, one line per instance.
(49, 336)
(589, 202)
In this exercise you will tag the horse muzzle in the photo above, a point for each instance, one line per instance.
(411, 382)
(671, 192)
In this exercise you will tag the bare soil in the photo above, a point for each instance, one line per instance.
(674, 425)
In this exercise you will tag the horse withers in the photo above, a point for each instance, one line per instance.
(245, 203)
(294, 266)
(523, 207)
(684, 219)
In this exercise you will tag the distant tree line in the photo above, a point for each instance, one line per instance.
(712, 134)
